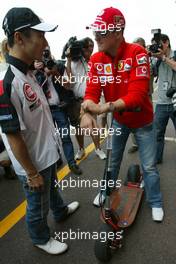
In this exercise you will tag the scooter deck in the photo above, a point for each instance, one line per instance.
(125, 203)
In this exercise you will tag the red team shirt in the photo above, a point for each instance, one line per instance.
(127, 77)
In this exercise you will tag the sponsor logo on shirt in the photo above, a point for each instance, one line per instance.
(99, 67)
(107, 68)
(124, 65)
(103, 68)
(29, 93)
(142, 71)
(128, 64)
(141, 58)
(35, 105)
(120, 65)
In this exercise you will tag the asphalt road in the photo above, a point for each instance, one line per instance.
(145, 242)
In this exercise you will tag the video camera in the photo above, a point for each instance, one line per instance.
(73, 48)
(50, 63)
(157, 41)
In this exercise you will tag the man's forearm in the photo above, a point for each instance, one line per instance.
(93, 108)
(20, 152)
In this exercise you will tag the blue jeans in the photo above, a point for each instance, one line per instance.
(61, 119)
(162, 115)
(146, 141)
(38, 204)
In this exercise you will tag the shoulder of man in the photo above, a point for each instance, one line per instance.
(8, 115)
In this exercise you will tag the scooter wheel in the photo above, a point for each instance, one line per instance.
(133, 174)
(102, 248)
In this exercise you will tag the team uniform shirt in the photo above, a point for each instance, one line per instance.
(166, 80)
(24, 108)
(124, 77)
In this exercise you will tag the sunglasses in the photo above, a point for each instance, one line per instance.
(102, 33)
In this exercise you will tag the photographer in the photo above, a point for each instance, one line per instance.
(48, 73)
(80, 52)
(166, 83)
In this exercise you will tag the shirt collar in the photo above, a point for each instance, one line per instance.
(19, 64)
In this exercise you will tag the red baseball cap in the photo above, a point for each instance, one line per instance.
(109, 18)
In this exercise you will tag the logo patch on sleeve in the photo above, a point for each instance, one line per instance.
(29, 93)
(128, 64)
(141, 58)
(142, 71)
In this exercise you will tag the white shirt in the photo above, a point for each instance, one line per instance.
(33, 119)
(79, 75)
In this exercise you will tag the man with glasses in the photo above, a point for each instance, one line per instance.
(123, 73)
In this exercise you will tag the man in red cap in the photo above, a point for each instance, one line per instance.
(122, 71)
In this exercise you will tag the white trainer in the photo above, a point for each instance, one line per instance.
(157, 214)
(53, 247)
(72, 207)
(80, 154)
(142, 184)
(99, 200)
(100, 153)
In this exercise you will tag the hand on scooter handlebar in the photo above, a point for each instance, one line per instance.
(93, 108)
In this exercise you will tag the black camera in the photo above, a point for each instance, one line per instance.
(156, 41)
(48, 62)
(171, 93)
(73, 48)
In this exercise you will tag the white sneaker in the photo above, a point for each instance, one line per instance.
(72, 207)
(53, 247)
(80, 154)
(157, 214)
(99, 200)
(142, 184)
(100, 153)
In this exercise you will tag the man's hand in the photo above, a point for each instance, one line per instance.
(38, 65)
(159, 54)
(90, 106)
(20, 151)
(52, 71)
(88, 121)
(36, 182)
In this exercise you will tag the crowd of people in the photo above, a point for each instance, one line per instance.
(41, 97)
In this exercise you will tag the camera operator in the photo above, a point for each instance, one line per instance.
(58, 99)
(166, 82)
(78, 68)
